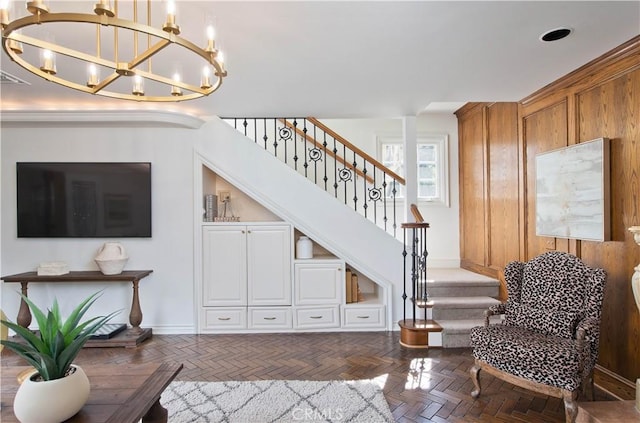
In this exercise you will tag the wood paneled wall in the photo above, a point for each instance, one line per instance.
(497, 179)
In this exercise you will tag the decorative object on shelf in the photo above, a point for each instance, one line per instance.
(347, 282)
(53, 268)
(227, 209)
(53, 41)
(210, 207)
(304, 248)
(635, 286)
(111, 258)
(56, 389)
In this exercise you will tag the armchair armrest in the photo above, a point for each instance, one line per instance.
(493, 310)
(586, 328)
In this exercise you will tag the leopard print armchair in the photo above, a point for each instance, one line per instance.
(548, 339)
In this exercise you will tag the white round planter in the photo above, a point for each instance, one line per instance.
(51, 401)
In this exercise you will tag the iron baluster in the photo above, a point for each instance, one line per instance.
(335, 167)
(304, 134)
(244, 123)
(404, 275)
(295, 144)
(384, 190)
(324, 149)
(364, 186)
(355, 180)
(265, 137)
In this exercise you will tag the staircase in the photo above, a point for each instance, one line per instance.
(458, 299)
(240, 154)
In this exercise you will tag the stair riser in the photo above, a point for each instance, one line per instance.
(458, 340)
(463, 291)
(457, 313)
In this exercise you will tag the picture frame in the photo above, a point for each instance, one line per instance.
(573, 192)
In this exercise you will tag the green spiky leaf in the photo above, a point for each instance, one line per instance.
(52, 350)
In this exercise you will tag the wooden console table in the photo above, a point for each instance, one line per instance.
(131, 337)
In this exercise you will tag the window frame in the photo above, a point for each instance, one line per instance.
(441, 141)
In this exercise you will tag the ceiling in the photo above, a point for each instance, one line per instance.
(341, 59)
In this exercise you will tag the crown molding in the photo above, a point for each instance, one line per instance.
(93, 117)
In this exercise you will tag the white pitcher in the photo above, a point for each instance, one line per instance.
(111, 258)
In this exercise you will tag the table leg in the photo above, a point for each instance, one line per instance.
(156, 414)
(135, 317)
(24, 314)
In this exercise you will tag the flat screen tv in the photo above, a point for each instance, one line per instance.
(83, 200)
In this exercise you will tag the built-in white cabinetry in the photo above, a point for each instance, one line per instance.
(246, 266)
(318, 287)
(252, 283)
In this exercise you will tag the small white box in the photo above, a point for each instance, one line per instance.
(53, 268)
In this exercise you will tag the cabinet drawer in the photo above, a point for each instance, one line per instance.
(225, 318)
(363, 317)
(316, 317)
(270, 318)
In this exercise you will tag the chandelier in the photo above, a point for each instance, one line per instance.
(119, 64)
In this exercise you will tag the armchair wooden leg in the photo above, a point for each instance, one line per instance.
(570, 406)
(475, 377)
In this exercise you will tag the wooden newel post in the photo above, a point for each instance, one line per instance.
(24, 314)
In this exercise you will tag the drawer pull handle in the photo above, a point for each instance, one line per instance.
(224, 318)
(363, 317)
(315, 317)
(269, 318)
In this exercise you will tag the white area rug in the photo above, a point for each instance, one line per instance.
(276, 401)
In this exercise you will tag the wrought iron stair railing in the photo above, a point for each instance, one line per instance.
(331, 163)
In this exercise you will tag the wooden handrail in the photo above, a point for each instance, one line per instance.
(416, 213)
(330, 153)
(346, 143)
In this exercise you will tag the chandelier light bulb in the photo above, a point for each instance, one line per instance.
(138, 85)
(176, 91)
(4, 13)
(48, 62)
(170, 24)
(92, 76)
(211, 43)
(205, 82)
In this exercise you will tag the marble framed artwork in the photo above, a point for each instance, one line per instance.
(572, 192)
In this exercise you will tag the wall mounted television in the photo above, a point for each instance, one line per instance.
(83, 200)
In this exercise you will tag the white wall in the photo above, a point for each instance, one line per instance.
(166, 295)
(443, 241)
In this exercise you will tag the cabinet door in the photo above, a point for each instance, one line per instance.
(269, 265)
(319, 283)
(224, 274)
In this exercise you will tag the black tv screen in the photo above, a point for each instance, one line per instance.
(83, 200)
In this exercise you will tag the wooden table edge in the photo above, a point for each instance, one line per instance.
(164, 375)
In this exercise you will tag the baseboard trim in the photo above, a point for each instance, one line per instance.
(173, 330)
(613, 384)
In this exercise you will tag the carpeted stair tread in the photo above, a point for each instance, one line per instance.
(463, 325)
(463, 302)
(446, 276)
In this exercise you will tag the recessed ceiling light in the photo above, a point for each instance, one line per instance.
(555, 34)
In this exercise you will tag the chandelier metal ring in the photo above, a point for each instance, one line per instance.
(11, 36)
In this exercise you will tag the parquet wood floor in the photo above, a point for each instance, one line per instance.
(421, 385)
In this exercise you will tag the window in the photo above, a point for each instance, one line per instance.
(432, 169)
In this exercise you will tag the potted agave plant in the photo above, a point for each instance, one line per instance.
(56, 389)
